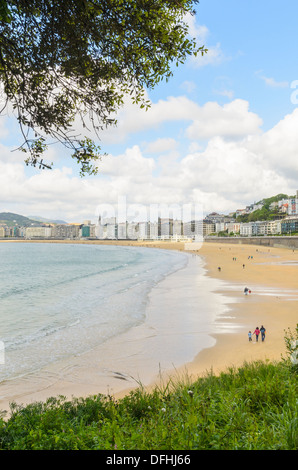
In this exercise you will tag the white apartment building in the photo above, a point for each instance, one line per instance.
(221, 226)
(177, 227)
(122, 230)
(266, 227)
(144, 230)
(132, 230)
(153, 230)
(233, 227)
(198, 228)
(111, 231)
(166, 227)
(40, 232)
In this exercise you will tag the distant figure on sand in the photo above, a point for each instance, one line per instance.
(246, 290)
(219, 268)
(249, 336)
(263, 331)
(257, 332)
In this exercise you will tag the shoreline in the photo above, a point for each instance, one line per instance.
(271, 276)
(269, 303)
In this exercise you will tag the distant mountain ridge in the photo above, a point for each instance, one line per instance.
(46, 221)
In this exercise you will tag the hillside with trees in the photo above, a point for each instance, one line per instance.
(265, 213)
(10, 219)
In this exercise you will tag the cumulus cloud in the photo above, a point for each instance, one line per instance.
(238, 164)
(201, 33)
(279, 146)
(161, 145)
(231, 120)
(234, 119)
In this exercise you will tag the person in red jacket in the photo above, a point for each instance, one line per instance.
(257, 332)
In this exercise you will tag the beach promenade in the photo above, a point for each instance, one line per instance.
(270, 274)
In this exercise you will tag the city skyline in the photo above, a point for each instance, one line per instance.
(220, 133)
(283, 220)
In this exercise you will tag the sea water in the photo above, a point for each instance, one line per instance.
(61, 300)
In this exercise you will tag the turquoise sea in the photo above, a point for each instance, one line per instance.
(59, 300)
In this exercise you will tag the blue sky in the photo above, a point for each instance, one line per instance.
(221, 133)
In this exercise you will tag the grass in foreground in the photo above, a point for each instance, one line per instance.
(254, 407)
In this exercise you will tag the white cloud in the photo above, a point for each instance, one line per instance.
(214, 56)
(188, 86)
(223, 176)
(271, 82)
(279, 146)
(230, 120)
(161, 145)
(199, 32)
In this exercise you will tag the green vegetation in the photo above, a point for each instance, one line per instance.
(265, 213)
(63, 60)
(254, 407)
(11, 219)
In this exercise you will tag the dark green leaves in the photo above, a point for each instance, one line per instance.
(60, 59)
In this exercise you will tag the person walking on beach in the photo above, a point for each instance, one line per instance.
(257, 332)
(263, 331)
(245, 290)
(249, 336)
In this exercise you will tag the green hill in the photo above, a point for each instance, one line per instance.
(11, 219)
(265, 213)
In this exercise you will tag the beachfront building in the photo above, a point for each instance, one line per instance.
(122, 230)
(67, 231)
(111, 231)
(289, 225)
(144, 231)
(233, 227)
(153, 230)
(251, 229)
(198, 228)
(165, 229)
(205, 227)
(189, 229)
(261, 228)
(177, 228)
(107, 228)
(38, 232)
(87, 230)
(132, 230)
(273, 227)
(221, 227)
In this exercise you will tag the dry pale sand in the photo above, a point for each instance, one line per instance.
(270, 273)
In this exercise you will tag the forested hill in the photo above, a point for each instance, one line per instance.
(265, 213)
(11, 219)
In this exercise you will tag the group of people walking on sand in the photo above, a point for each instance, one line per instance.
(258, 331)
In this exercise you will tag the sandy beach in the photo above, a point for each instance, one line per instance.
(270, 274)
